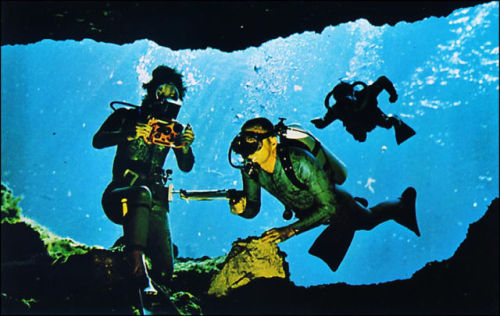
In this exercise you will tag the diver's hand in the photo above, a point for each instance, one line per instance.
(187, 138)
(237, 202)
(319, 123)
(141, 130)
(393, 98)
(276, 235)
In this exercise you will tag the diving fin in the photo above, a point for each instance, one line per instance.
(332, 244)
(403, 131)
(408, 217)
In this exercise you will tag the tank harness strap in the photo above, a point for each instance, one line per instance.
(317, 147)
(286, 163)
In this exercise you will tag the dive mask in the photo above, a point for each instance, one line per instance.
(243, 145)
(167, 101)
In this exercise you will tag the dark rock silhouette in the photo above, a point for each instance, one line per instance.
(46, 274)
(224, 25)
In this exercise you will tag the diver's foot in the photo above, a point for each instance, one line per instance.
(407, 217)
(135, 259)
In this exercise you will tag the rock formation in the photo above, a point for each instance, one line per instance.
(45, 274)
(224, 25)
(248, 260)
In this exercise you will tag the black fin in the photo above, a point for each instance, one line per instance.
(408, 216)
(403, 132)
(332, 244)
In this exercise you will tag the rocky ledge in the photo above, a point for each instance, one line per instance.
(46, 274)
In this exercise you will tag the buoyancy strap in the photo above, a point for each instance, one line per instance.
(286, 163)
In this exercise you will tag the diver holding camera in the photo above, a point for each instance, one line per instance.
(137, 197)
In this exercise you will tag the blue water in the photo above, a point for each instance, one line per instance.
(55, 95)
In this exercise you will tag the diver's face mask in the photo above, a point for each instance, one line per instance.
(243, 145)
(167, 102)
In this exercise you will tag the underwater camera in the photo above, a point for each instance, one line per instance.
(164, 133)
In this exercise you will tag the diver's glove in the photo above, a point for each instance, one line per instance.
(277, 235)
(187, 138)
(393, 98)
(237, 201)
(319, 123)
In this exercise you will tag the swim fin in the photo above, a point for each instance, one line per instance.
(403, 131)
(407, 216)
(332, 244)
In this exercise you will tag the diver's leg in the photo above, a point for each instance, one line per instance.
(160, 246)
(386, 121)
(136, 206)
(160, 251)
(401, 210)
(402, 130)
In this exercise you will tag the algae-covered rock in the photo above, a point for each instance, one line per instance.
(249, 259)
(10, 209)
(186, 303)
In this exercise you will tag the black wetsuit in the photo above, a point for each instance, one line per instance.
(138, 177)
(361, 115)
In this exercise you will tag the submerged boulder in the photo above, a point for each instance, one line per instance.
(248, 260)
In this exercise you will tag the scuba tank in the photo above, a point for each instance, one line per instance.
(295, 135)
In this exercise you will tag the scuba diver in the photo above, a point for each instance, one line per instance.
(137, 197)
(358, 109)
(306, 183)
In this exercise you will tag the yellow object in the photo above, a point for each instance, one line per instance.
(164, 133)
(124, 206)
(248, 260)
(238, 207)
(337, 169)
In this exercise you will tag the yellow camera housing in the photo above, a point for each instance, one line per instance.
(164, 133)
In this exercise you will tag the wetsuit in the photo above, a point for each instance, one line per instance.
(316, 205)
(138, 177)
(362, 115)
(321, 202)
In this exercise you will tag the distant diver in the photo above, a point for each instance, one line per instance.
(137, 197)
(357, 107)
(305, 176)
